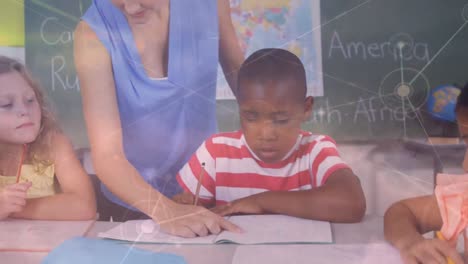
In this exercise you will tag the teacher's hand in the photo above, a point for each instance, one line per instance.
(191, 221)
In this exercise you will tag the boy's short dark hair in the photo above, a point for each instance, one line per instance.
(462, 100)
(273, 64)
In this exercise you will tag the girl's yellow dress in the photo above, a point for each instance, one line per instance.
(42, 179)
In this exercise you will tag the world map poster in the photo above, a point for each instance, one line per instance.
(288, 24)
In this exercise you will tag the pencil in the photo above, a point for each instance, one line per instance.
(18, 172)
(441, 237)
(200, 178)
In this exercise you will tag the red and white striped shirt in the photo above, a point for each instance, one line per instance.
(232, 171)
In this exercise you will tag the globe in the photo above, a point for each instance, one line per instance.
(441, 102)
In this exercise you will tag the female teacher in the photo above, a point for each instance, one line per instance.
(147, 72)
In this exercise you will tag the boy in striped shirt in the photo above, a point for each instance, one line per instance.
(271, 165)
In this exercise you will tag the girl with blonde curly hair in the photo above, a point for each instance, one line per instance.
(40, 176)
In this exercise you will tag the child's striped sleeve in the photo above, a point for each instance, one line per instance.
(188, 177)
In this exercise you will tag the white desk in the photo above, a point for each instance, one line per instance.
(368, 231)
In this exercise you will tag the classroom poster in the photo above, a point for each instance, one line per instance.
(12, 24)
(289, 24)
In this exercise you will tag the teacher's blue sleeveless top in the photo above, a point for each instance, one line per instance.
(163, 121)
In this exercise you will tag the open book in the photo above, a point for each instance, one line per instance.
(41, 236)
(258, 229)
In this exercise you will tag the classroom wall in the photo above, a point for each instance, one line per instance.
(12, 29)
(13, 52)
(389, 172)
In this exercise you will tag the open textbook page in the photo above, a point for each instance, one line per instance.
(258, 229)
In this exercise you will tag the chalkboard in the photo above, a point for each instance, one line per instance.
(49, 26)
(366, 48)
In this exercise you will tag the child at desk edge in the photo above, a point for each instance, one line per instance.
(40, 176)
(407, 220)
(271, 166)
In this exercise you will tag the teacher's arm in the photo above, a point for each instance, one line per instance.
(94, 69)
(231, 56)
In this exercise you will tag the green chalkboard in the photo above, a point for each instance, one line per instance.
(49, 26)
(363, 64)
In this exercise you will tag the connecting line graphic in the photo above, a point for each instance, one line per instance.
(404, 89)
(326, 23)
(58, 11)
(53, 9)
(416, 181)
(425, 132)
(401, 45)
(361, 100)
(404, 116)
(131, 248)
(438, 52)
(348, 83)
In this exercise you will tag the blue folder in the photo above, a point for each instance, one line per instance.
(82, 250)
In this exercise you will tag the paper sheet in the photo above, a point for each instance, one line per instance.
(259, 229)
(277, 229)
(132, 231)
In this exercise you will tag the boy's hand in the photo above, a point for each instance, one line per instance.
(13, 198)
(184, 198)
(247, 205)
(430, 251)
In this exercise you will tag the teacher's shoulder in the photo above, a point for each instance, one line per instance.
(87, 44)
(85, 35)
(89, 52)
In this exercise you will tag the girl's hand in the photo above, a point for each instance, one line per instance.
(430, 251)
(13, 198)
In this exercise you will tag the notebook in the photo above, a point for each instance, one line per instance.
(258, 229)
(40, 236)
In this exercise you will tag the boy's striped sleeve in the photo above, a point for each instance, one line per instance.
(325, 160)
(188, 177)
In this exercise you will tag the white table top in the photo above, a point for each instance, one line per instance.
(348, 237)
